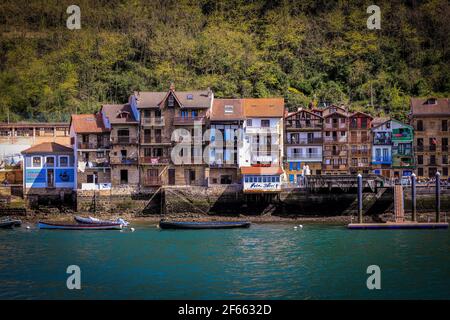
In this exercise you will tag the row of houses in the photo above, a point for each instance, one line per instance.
(190, 138)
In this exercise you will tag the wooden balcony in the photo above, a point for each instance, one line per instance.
(302, 142)
(124, 140)
(155, 140)
(152, 181)
(154, 160)
(153, 122)
(188, 121)
(93, 145)
(123, 160)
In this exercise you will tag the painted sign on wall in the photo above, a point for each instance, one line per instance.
(35, 176)
(64, 176)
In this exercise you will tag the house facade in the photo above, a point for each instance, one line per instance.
(90, 139)
(48, 170)
(430, 118)
(303, 141)
(262, 145)
(360, 140)
(172, 125)
(335, 140)
(124, 138)
(226, 119)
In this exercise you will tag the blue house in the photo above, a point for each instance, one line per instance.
(48, 169)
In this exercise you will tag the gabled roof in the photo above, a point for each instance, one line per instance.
(386, 119)
(186, 99)
(119, 113)
(217, 112)
(264, 107)
(261, 170)
(421, 107)
(303, 110)
(48, 147)
(339, 111)
(88, 123)
(360, 113)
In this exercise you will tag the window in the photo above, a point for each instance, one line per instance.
(445, 171)
(229, 109)
(420, 172)
(444, 125)
(90, 178)
(123, 176)
(147, 113)
(100, 154)
(445, 159)
(36, 162)
(190, 97)
(420, 159)
(184, 114)
(265, 123)
(194, 113)
(50, 161)
(64, 161)
(419, 125)
(342, 133)
(249, 122)
(170, 101)
(158, 113)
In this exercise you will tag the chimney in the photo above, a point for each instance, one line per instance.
(172, 86)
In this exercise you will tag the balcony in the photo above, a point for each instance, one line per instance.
(381, 160)
(265, 156)
(311, 125)
(430, 148)
(399, 161)
(188, 121)
(99, 164)
(402, 136)
(360, 152)
(123, 160)
(294, 141)
(331, 167)
(154, 160)
(307, 157)
(152, 181)
(261, 130)
(336, 126)
(223, 165)
(156, 140)
(124, 140)
(335, 139)
(336, 153)
(153, 122)
(93, 146)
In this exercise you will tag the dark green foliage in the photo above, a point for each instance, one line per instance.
(305, 51)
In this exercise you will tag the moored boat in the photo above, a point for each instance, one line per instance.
(98, 226)
(92, 220)
(203, 225)
(9, 223)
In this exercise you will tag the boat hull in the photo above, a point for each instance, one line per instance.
(203, 225)
(57, 226)
(10, 223)
(90, 220)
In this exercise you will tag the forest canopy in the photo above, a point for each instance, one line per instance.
(305, 51)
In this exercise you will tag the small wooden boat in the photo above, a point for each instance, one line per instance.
(92, 220)
(98, 226)
(9, 223)
(203, 225)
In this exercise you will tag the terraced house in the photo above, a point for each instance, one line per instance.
(167, 118)
(124, 137)
(90, 140)
(335, 140)
(360, 139)
(392, 152)
(430, 118)
(303, 141)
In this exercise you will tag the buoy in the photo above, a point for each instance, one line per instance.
(132, 229)
(28, 227)
(295, 227)
(300, 226)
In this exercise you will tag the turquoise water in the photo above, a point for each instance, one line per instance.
(267, 261)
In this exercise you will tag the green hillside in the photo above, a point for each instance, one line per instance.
(303, 51)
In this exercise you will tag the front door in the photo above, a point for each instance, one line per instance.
(171, 177)
(50, 178)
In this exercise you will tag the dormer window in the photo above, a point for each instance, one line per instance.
(432, 101)
(190, 97)
(170, 101)
(229, 109)
(123, 115)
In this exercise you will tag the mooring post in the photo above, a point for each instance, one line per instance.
(438, 197)
(360, 204)
(413, 198)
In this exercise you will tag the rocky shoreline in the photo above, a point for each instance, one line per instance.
(67, 217)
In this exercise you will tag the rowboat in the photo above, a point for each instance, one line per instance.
(203, 225)
(9, 223)
(92, 220)
(99, 226)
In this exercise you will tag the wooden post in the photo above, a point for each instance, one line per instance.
(438, 197)
(413, 198)
(360, 204)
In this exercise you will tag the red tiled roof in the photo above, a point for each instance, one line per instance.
(48, 147)
(420, 107)
(262, 170)
(217, 113)
(264, 107)
(88, 123)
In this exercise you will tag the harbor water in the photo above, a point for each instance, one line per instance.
(266, 261)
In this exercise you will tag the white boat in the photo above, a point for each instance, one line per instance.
(92, 220)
